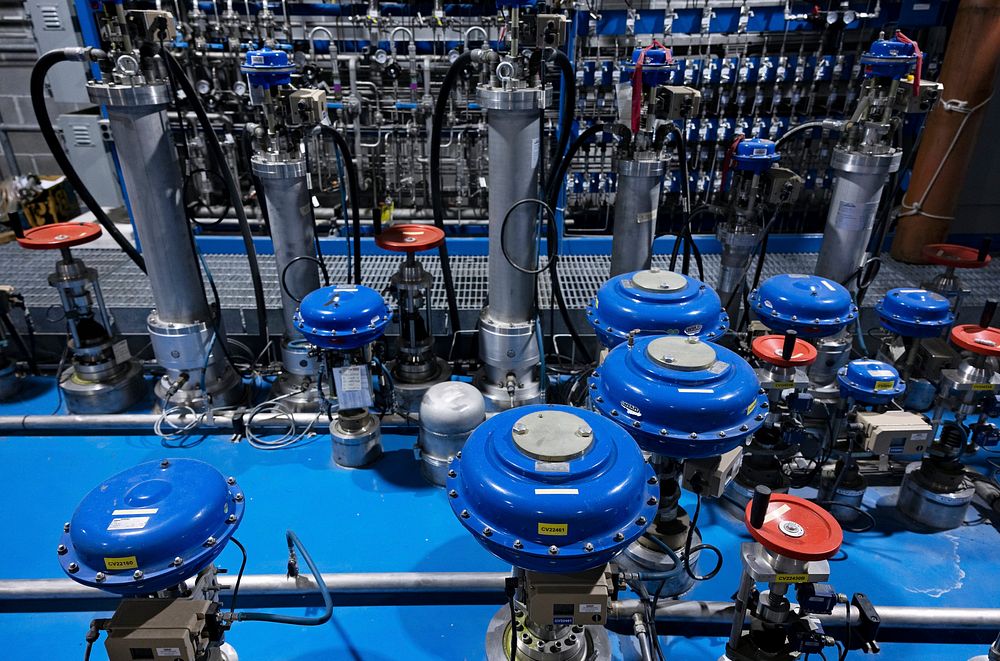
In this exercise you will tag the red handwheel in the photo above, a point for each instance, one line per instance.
(975, 338)
(959, 257)
(410, 238)
(797, 528)
(770, 349)
(59, 236)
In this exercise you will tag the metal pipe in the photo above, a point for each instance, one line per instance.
(636, 201)
(128, 423)
(61, 595)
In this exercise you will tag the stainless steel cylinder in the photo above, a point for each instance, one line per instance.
(138, 120)
(636, 202)
(286, 195)
(357, 439)
(738, 239)
(939, 510)
(514, 123)
(857, 190)
(449, 412)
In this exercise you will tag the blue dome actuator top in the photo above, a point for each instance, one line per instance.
(344, 317)
(267, 68)
(889, 58)
(811, 305)
(552, 488)
(656, 302)
(151, 527)
(755, 155)
(657, 66)
(680, 397)
(870, 381)
(912, 312)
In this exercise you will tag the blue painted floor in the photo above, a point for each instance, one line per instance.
(387, 519)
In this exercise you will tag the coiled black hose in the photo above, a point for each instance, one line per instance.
(437, 198)
(37, 89)
(235, 196)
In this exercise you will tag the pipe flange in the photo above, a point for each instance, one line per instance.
(268, 169)
(152, 96)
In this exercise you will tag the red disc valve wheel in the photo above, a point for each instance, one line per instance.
(410, 238)
(950, 254)
(769, 348)
(797, 528)
(975, 338)
(59, 235)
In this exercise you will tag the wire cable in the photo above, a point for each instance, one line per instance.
(355, 193)
(688, 549)
(239, 576)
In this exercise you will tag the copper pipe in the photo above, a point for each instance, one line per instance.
(968, 72)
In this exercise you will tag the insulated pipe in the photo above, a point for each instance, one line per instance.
(697, 618)
(968, 72)
(141, 133)
(286, 195)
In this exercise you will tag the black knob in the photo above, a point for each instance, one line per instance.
(989, 310)
(788, 347)
(758, 507)
(984, 249)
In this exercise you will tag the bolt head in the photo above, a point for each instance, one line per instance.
(210, 541)
(663, 432)
(520, 428)
(636, 423)
(588, 547)
(641, 521)
(487, 531)
(178, 561)
(239, 498)
(651, 501)
(584, 431)
(230, 481)
(164, 463)
(100, 577)
(61, 549)
(453, 494)
(518, 544)
(722, 434)
(452, 473)
(73, 568)
(465, 514)
(137, 574)
(231, 518)
(619, 536)
(553, 550)
(458, 455)
(744, 428)
(66, 527)
(693, 435)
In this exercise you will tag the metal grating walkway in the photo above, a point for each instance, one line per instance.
(127, 292)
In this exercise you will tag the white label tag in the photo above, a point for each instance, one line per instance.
(120, 349)
(590, 608)
(646, 217)
(557, 492)
(535, 148)
(129, 523)
(776, 512)
(168, 651)
(136, 512)
(851, 216)
(353, 386)
(552, 466)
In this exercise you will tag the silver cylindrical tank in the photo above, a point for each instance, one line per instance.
(857, 190)
(738, 238)
(139, 127)
(636, 201)
(514, 123)
(508, 343)
(449, 412)
(184, 339)
(286, 195)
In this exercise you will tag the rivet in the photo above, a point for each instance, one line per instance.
(553, 550)
(137, 574)
(73, 568)
(61, 549)
(458, 455)
(453, 493)
(614, 413)
(758, 417)
(599, 399)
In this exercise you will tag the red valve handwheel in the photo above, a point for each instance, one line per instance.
(797, 528)
(59, 235)
(975, 338)
(768, 348)
(410, 238)
(950, 254)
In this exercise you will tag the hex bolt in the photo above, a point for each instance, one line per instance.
(458, 455)
(663, 432)
(99, 577)
(584, 431)
(553, 550)
(744, 428)
(619, 536)
(73, 568)
(518, 544)
(210, 541)
(722, 434)
(239, 498)
(651, 501)
(164, 463)
(178, 561)
(66, 527)
(465, 514)
(641, 521)
(231, 518)
(61, 549)
(588, 547)
(230, 481)
(487, 531)
(520, 428)
(452, 473)
(453, 493)
(636, 423)
(693, 435)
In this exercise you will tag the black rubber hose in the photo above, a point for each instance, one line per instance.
(37, 87)
(568, 96)
(235, 196)
(354, 188)
(437, 198)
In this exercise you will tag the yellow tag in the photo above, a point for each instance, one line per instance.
(791, 578)
(884, 385)
(752, 406)
(784, 385)
(116, 564)
(386, 212)
(983, 386)
(556, 529)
